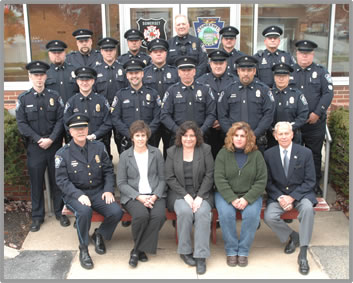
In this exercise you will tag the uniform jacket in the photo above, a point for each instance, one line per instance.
(300, 181)
(202, 172)
(36, 120)
(260, 106)
(145, 58)
(128, 175)
(61, 79)
(131, 105)
(177, 103)
(76, 59)
(74, 174)
(233, 55)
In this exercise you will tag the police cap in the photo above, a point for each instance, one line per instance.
(82, 33)
(218, 55)
(133, 34)
(78, 120)
(305, 45)
(134, 65)
(185, 62)
(246, 62)
(229, 31)
(37, 67)
(107, 43)
(272, 31)
(56, 45)
(157, 44)
(85, 73)
(282, 69)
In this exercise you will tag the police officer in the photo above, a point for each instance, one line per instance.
(229, 37)
(185, 44)
(290, 103)
(134, 41)
(39, 114)
(188, 100)
(316, 84)
(217, 80)
(110, 78)
(135, 102)
(271, 55)
(60, 74)
(85, 175)
(91, 103)
(248, 100)
(85, 56)
(160, 76)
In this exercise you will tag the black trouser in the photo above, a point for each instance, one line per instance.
(106, 140)
(313, 136)
(164, 134)
(146, 223)
(215, 139)
(38, 160)
(112, 214)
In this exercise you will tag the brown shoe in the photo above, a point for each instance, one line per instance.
(232, 260)
(242, 261)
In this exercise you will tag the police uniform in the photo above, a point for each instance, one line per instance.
(231, 32)
(316, 84)
(61, 78)
(290, 106)
(131, 105)
(217, 84)
(253, 104)
(188, 45)
(134, 34)
(268, 59)
(87, 171)
(188, 103)
(94, 105)
(77, 59)
(39, 115)
(160, 79)
(110, 79)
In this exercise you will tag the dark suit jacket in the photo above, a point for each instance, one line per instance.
(301, 179)
(202, 172)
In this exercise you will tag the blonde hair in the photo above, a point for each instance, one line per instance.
(250, 137)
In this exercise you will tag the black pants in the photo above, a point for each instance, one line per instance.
(112, 214)
(215, 140)
(38, 160)
(106, 140)
(313, 136)
(146, 224)
(164, 134)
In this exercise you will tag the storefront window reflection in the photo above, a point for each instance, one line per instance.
(113, 23)
(247, 28)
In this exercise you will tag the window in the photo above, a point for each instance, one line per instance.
(340, 56)
(247, 28)
(59, 22)
(298, 22)
(15, 57)
(113, 24)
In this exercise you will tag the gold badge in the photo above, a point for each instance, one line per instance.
(193, 45)
(291, 100)
(97, 159)
(98, 108)
(314, 75)
(258, 93)
(169, 75)
(51, 101)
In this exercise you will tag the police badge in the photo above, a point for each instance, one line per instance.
(283, 60)
(120, 72)
(98, 108)
(258, 93)
(193, 45)
(169, 75)
(51, 101)
(264, 62)
(314, 75)
(97, 159)
(148, 97)
(199, 93)
(291, 100)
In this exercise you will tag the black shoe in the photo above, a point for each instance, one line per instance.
(303, 265)
(258, 226)
(125, 223)
(188, 259)
(134, 258)
(288, 220)
(143, 257)
(98, 241)
(291, 246)
(75, 225)
(35, 226)
(64, 220)
(318, 191)
(85, 258)
(174, 223)
(200, 265)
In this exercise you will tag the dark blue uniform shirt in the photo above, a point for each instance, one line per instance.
(145, 58)
(77, 59)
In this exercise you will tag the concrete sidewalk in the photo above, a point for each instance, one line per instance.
(266, 261)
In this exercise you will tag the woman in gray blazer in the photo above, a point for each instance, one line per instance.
(142, 187)
(189, 175)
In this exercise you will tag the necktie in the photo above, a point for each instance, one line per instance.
(285, 162)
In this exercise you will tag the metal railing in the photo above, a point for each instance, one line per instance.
(328, 141)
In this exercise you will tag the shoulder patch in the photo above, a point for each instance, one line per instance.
(58, 160)
(61, 101)
(269, 93)
(303, 99)
(328, 78)
(210, 93)
(67, 105)
(165, 97)
(18, 104)
(221, 96)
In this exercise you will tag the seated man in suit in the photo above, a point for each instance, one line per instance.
(291, 183)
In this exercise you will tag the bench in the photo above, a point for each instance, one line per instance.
(292, 214)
